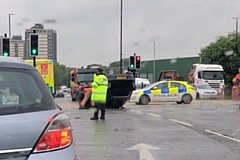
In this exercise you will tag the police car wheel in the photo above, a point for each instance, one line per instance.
(179, 102)
(187, 98)
(144, 100)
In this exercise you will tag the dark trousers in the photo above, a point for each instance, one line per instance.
(99, 106)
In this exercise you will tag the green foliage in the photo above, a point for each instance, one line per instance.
(115, 66)
(61, 75)
(217, 53)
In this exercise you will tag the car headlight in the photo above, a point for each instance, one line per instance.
(134, 93)
(202, 92)
(215, 92)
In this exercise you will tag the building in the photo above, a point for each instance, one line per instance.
(17, 46)
(182, 65)
(47, 42)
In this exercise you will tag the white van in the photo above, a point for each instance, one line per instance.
(63, 88)
(141, 83)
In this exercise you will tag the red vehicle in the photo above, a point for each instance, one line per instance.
(80, 83)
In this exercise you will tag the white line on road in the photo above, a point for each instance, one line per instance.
(187, 124)
(218, 134)
(155, 110)
(154, 115)
(137, 111)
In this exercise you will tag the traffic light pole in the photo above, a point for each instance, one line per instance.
(134, 73)
(34, 57)
(34, 61)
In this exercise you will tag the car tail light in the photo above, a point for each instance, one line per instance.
(57, 135)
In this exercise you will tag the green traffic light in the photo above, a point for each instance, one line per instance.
(5, 54)
(34, 51)
(131, 66)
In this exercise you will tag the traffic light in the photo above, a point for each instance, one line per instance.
(131, 62)
(33, 44)
(5, 47)
(138, 62)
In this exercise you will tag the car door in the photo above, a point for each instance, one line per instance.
(174, 89)
(160, 92)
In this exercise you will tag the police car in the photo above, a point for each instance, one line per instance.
(178, 91)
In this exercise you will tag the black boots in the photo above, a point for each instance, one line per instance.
(95, 117)
(102, 114)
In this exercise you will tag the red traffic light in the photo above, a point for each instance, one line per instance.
(138, 58)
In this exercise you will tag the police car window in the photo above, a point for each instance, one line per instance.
(195, 87)
(162, 85)
(175, 84)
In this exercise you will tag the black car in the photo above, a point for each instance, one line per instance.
(120, 90)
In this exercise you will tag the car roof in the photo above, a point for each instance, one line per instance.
(15, 63)
(174, 81)
(87, 70)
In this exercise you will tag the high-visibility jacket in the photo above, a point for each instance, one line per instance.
(99, 89)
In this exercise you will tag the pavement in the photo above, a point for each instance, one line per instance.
(202, 130)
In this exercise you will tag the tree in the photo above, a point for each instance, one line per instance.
(223, 52)
(61, 75)
(115, 66)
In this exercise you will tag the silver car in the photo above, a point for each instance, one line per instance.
(204, 91)
(32, 127)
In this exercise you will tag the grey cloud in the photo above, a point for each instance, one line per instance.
(88, 30)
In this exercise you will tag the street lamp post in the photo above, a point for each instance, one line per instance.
(123, 62)
(9, 19)
(67, 77)
(236, 34)
(154, 61)
(121, 38)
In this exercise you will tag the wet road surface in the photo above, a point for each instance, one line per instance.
(203, 130)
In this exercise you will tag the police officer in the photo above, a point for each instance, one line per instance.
(99, 94)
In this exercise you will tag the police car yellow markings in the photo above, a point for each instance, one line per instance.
(166, 91)
(157, 91)
(140, 93)
(174, 90)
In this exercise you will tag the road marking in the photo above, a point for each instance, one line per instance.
(137, 111)
(154, 115)
(143, 151)
(187, 124)
(218, 134)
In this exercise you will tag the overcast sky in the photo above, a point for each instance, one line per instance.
(88, 31)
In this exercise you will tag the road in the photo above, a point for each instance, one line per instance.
(203, 130)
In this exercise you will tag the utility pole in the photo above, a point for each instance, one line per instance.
(154, 62)
(236, 34)
(121, 38)
(134, 70)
